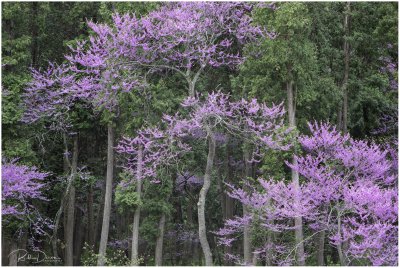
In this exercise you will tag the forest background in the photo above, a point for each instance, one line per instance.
(340, 58)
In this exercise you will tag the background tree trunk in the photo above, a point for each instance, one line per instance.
(298, 222)
(247, 252)
(346, 48)
(136, 219)
(202, 200)
(320, 245)
(160, 241)
(229, 205)
(90, 227)
(69, 239)
(108, 196)
(79, 236)
(35, 33)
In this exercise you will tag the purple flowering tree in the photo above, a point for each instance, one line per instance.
(47, 98)
(21, 185)
(357, 194)
(147, 153)
(102, 77)
(349, 193)
(256, 123)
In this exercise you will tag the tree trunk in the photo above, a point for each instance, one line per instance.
(79, 237)
(268, 255)
(228, 200)
(246, 230)
(90, 230)
(346, 48)
(34, 32)
(108, 196)
(136, 219)
(320, 244)
(298, 222)
(69, 239)
(99, 217)
(342, 257)
(202, 200)
(160, 240)
(191, 89)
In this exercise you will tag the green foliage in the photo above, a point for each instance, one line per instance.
(114, 257)
(125, 196)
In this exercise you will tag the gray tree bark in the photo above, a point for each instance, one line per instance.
(136, 218)
(342, 257)
(202, 200)
(320, 244)
(346, 48)
(160, 241)
(228, 200)
(69, 239)
(108, 196)
(298, 222)
(91, 229)
(247, 252)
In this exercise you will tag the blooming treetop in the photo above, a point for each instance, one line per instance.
(188, 34)
(47, 96)
(98, 63)
(158, 149)
(249, 120)
(182, 36)
(262, 125)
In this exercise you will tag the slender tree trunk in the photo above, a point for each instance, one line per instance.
(90, 230)
(346, 48)
(160, 241)
(99, 216)
(69, 239)
(268, 256)
(342, 257)
(136, 219)
(298, 222)
(79, 237)
(228, 200)
(34, 32)
(246, 230)
(5, 247)
(343, 104)
(191, 89)
(320, 244)
(108, 196)
(340, 115)
(202, 200)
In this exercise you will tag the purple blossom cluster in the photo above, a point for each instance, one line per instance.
(158, 149)
(20, 184)
(187, 181)
(256, 122)
(48, 96)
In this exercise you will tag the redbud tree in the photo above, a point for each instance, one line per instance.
(257, 123)
(349, 192)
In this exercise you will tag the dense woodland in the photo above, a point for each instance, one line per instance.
(199, 133)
